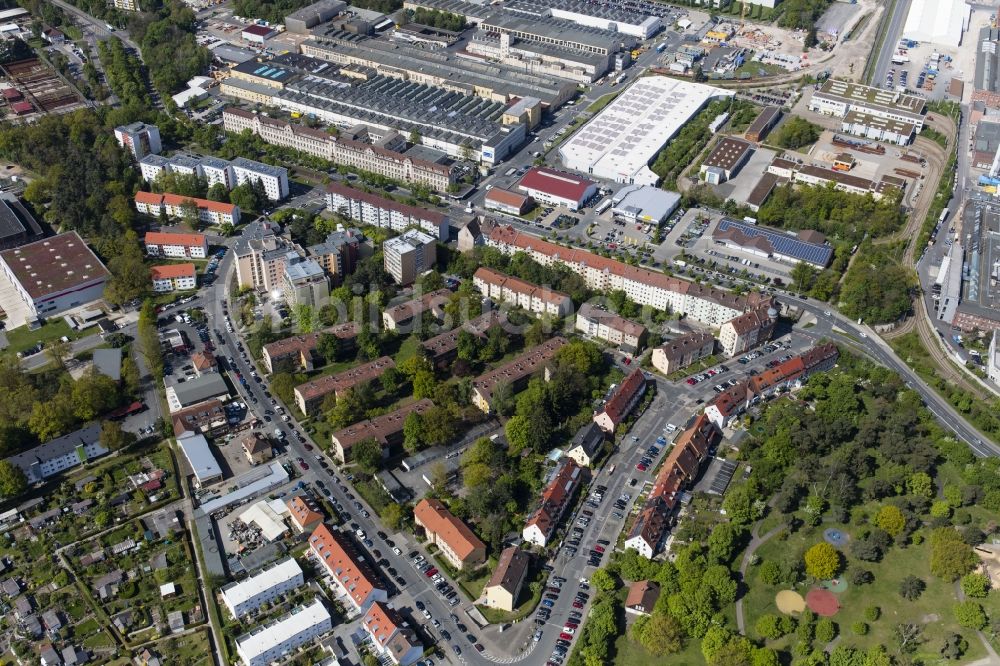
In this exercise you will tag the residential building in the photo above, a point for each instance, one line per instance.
(177, 206)
(504, 586)
(338, 254)
(642, 596)
(305, 283)
(603, 325)
(679, 469)
(747, 331)
(837, 98)
(264, 586)
(200, 458)
(299, 352)
(17, 225)
(557, 188)
(54, 274)
(503, 288)
(208, 418)
(274, 641)
(58, 455)
(125, 5)
(383, 212)
(728, 156)
(151, 166)
(556, 498)
(176, 245)
(274, 178)
(305, 514)
(473, 234)
(621, 403)
(732, 402)
(457, 542)
(309, 395)
(760, 241)
(353, 149)
(261, 255)
(387, 430)
(347, 568)
(139, 139)
(203, 362)
(408, 256)
(586, 445)
(508, 202)
(409, 314)
(173, 277)
(643, 286)
(391, 636)
(255, 447)
(682, 351)
(514, 375)
(442, 349)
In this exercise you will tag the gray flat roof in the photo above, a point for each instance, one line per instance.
(549, 29)
(230, 53)
(200, 389)
(259, 167)
(199, 456)
(647, 201)
(57, 447)
(15, 218)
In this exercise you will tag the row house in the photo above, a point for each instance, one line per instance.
(625, 399)
(513, 376)
(504, 288)
(175, 205)
(556, 499)
(176, 245)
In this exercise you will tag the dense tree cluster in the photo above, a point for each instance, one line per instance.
(166, 35)
(437, 19)
(877, 287)
(802, 14)
(840, 215)
(273, 11)
(124, 73)
(796, 132)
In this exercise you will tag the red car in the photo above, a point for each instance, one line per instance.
(599, 549)
(565, 637)
(577, 604)
(628, 361)
(691, 381)
(571, 625)
(308, 447)
(430, 572)
(304, 465)
(641, 467)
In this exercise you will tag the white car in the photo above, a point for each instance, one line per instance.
(397, 551)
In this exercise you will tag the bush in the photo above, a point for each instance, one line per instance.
(911, 587)
(872, 613)
(826, 630)
(859, 628)
(970, 614)
(860, 576)
(770, 572)
(975, 585)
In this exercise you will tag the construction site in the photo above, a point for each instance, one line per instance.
(30, 86)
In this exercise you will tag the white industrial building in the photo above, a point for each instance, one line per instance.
(937, 21)
(200, 459)
(272, 642)
(645, 204)
(251, 593)
(621, 141)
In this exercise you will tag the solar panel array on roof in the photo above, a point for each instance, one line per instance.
(782, 243)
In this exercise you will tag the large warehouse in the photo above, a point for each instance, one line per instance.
(937, 21)
(620, 142)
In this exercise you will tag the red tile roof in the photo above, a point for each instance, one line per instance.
(341, 560)
(611, 320)
(555, 496)
(519, 286)
(410, 309)
(526, 364)
(381, 427)
(168, 238)
(298, 344)
(304, 512)
(511, 568)
(344, 380)
(154, 199)
(436, 518)
(617, 406)
(556, 183)
(170, 271)
(508, 198)
(382, 623)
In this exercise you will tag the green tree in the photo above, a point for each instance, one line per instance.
(826, 630)
(970, 614)
(823, 561)
(951, 557)
(769, 572)
(795, 133)
(12, 480)
(877, 656)
(392, 515)
(392, 380)
(522, 433)
(328, 346)
(769, 626)
(976, 585)
(765, 657)
(218, 192)
(724, 540)
(742, 506)
(803, 276)
(603, 581)
(283, 386)
(424, 384)
(114, 438)
(661, 635)
(719, 579)
(920, 484)
(245, 198)
(368, 454)
(891, 519)
(413, 432)
(911, 587)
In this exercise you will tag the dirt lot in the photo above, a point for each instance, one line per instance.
(41, 86)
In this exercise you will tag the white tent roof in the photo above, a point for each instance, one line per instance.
(937, 21)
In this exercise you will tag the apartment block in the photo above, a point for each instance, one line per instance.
(503, 288)
(305, 283)
(246, 596)
(621, 403)
(513, 376)
(383, 212)
(58, 455)
(747, 331)
(386, 429)
(173, 277)
(603, 325)
(176, 206)
(273, 641)
(391, 636)
(299, 351)
(682, 351)
(456, 540)
(348, 569)
(373, 156)
(176, 245)
(309, 395)
(556, 498)
(274, 178)
(139, 139)
(408, 256)
(405, 314)
(504, 587)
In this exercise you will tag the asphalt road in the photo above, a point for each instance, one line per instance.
(893, 33)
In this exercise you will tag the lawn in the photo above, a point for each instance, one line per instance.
(603, 101)
(627, 652)
(407, 349)
(931, 611)
(21, 337)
